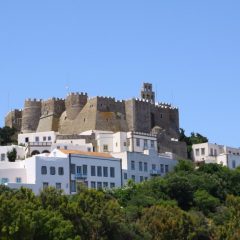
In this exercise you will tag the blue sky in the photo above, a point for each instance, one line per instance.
(189, 50)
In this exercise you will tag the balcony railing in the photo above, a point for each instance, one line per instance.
(39, 144)
(155, 173)
(80, 176)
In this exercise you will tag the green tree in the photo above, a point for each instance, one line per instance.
(12, 155)
(205, 202)
(7, 136)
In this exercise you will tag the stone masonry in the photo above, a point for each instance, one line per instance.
(78, 113)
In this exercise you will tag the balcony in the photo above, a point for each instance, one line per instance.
(80, 176)
(155, 173)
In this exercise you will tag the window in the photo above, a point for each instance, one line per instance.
(73, 168)
(105, 148)
(132, 165)
(18, 180)
(133, 178)
(65, 147)
(162, 168)
(105, 184)
(233, 164)
(153, 166)
(44, 170)
(49, 138)
(166, 168)
(197, 152)
(128, 142)
(44, 139)
(93, 185)
(84, 168)
(140, 166)
(112, 172)
(79, 169)
(215, 152)
(45, 185)
(58, 147)
(105, 171)
(125, 176)
(145, 143)
(145, 167)
(211, 152)
(202, 151)
(138, 142)
(26, 140)
(93, 171)
(99, 171)
(73, 186)
(152, 144)
(60, 171)
(52, 170)
(3, 156)
(36, 139)
(4, 180)
(124, 144)
(58, 185)
(112, 185)
(89, 149)
(99, 185)
(141, 178)
(146, 178)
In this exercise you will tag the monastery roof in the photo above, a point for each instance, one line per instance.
(94, 154)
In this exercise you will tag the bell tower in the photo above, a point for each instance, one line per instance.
(147, 92)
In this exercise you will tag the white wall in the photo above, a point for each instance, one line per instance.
(76, 145)
(80, 160)
(5, 149)
(42, 137)
(12, 170)
(52, 179)
(148, 159)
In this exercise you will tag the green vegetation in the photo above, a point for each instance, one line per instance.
(12, 155)
(195, 138)
(189, 203)
(7, 136)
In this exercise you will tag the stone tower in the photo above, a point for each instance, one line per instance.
(147, 92)
(51, 111)
(31, 115)
(74, 104)
(14, 119)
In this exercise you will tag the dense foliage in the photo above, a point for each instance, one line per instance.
(7, 136)
(12, 155)
(194, 138)
(188, 203)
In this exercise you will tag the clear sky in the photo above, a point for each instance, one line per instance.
(189, 50)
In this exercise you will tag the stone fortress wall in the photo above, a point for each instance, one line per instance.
(78, 113)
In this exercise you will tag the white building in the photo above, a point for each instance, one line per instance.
(142, 166)
(5, 149)
(63, 169)
(108, 141)
(95, 170)
(36, 143)
(214, 153)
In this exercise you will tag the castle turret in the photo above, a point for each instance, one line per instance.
(51, 112)
(31, 115)
(14, 119)
(74, 104)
